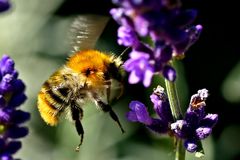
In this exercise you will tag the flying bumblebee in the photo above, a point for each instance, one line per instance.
(88, 75)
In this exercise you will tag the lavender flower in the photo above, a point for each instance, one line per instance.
(168, 26)
(138, 112)
(140, 68)
(4, 5)
(11, 118)
(196, 125)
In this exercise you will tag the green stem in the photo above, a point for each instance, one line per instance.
(173, 99)
(177, 114)
(180, 150)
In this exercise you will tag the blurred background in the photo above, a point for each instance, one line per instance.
(35, 34)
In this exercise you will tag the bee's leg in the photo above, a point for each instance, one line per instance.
(80, 131)
(107, 108)
(76, 116)
(108, 90)
(108, 93)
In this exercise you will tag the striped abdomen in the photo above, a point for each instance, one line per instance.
(51, 101)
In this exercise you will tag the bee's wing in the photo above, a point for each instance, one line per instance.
(85, 30)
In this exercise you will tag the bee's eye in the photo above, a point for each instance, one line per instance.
(88, 72)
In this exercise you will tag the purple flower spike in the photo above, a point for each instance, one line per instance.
(139, 113)
(193, 128)
(161, 21)
(140, 68)
(11, 96)
(196, 125)
(4, 5)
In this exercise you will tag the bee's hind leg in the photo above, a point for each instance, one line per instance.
(107, 108)
(76, 116)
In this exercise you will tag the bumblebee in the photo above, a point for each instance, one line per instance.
(88, 75)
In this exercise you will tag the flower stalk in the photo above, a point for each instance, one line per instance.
(173, 99)
(180, 150)
(177, 114)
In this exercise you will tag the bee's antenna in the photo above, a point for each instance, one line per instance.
(124, 51)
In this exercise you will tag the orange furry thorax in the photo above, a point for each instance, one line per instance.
(88, 59)
(91, 64)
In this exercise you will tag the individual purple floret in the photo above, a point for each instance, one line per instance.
(196, 125)
(4, 5)
(165, 24)
(138, 112)
(11, 118)
(140, 67)
(127, 37)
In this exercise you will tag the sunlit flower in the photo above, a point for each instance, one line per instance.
(165, 23)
